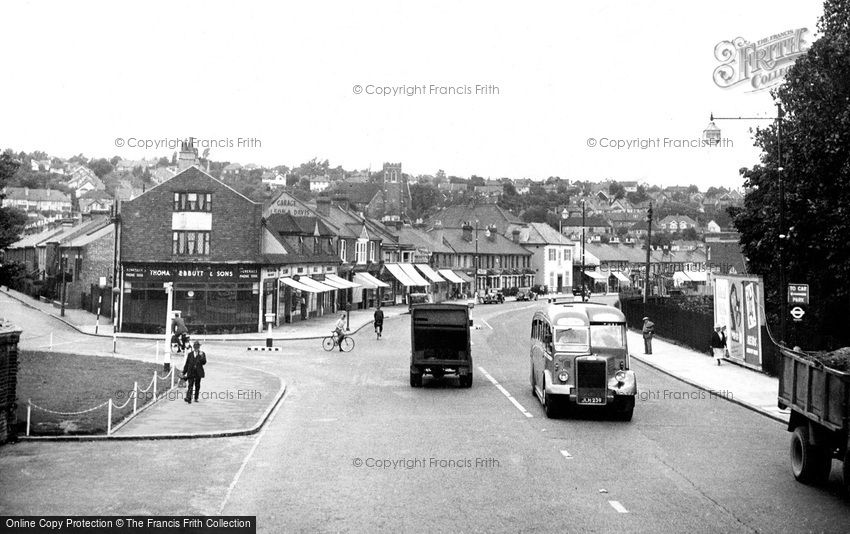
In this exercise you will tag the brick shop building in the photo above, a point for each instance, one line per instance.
(205, 238)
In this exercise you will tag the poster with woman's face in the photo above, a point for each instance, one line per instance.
(734, 309)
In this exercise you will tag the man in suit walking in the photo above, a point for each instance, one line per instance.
(193, 370)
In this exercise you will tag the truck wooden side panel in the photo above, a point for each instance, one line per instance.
(818, 393)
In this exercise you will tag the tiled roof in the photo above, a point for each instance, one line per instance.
(36, 195)
(357, 192)
(486, 215)
(499, 245)
(287, 224)
(591, 220)
(422, 240)
(536, 234)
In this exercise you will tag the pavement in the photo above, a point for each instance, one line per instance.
(237, 399)
(317, 327)
(749, 388)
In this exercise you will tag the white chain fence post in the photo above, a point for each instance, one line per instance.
(109, 418)
(29, 412)
(154, 387)
(135, 396)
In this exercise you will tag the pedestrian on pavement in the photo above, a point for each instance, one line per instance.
(193, 370)
(718, 343)
(648, 331)
(379, 321)
(339, 330)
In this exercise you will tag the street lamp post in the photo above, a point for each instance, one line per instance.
(783, 301)
(477, 259)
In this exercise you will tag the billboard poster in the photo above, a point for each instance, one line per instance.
(738, 306)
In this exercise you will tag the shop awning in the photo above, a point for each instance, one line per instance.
(298, 285)
(596, 275)
(368, 281)
(449, 275)
(621, 277)
(690, 276)
(413, 274)
(399, 275)
(465, 277)
(430, 273)
(338, 282)
(322, 288)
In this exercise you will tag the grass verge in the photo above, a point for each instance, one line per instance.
(76, 383)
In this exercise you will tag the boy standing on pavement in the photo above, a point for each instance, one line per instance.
(648, 331)
(193, 370)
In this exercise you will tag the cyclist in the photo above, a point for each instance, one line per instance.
(180, 333)
(379, 321)
(339, 330)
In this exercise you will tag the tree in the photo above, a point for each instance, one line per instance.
(815, 152)
(12, 220)
(690, 234)
(101, 167)
(163, 162)
(424, 197)
(535, 214)
(638, 196)
(616, 190)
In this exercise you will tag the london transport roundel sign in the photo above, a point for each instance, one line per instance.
(797, 312)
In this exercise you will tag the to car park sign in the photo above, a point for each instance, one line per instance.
(798, 294)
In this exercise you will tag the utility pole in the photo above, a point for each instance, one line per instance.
(581, 274)
(783, 299)
(477, 259)
(63, 264)
(648, 250)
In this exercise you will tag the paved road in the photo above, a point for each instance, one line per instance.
(686, 463)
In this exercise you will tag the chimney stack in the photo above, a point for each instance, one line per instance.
(341, 200)
(467, 232)
(492, 232)
(515, 235)
(323, 205)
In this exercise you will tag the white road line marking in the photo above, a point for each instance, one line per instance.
(488, 324)
(505, 392)
(567, 455)
(619, 507)
(251, 453)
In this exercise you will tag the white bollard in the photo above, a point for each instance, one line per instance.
(29, 412)
(109, 418)
(135, 396)
(154, 387)
(114, 342)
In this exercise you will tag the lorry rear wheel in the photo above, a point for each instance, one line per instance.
(809, 464)
(416, 380)
(466, 381)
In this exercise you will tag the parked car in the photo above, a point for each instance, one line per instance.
(493, 297)
(417, 298)
(525, 293)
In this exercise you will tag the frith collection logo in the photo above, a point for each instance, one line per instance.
(763, 64)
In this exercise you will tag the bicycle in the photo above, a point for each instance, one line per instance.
(330, 343)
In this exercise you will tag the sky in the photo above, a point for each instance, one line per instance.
(282, 83)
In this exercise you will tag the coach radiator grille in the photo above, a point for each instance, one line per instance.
(591, 381)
